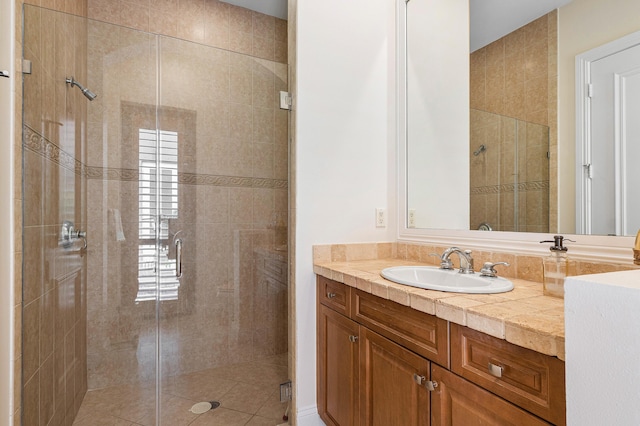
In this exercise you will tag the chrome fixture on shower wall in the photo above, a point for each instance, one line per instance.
(69, 234)
(86, 92)
(480, 149)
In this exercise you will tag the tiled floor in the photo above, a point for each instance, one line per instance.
(249, 394)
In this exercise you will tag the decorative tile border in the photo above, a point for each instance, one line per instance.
(510, 187)
(35, 142)
(217, 180)
(111, 173)
(40, 145)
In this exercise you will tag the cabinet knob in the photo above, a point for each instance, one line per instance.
(419, 379)
(431, 385)
(353, 338)
(495, 370)
(330, 295)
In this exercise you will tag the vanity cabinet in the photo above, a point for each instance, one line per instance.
(338, 368)
(392, 383)
(382, 363)
(458, 402)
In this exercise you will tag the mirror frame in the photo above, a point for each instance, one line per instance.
(589, 247)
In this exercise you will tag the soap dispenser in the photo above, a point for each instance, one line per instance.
(557, 266)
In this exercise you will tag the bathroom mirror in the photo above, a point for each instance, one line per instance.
(444, 178)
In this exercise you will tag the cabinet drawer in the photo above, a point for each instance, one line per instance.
(458, 402)
(421, 333)
(334, 295)
(529, 379)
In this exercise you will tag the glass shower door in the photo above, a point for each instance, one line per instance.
(177, 171)
(223, 339)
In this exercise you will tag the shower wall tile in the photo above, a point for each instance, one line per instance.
(52, 156)
(31, 401)
(211, 22)
(216, 24)
(241, 79)
(240, 19)
(263, 125)
(241, 121)
(134, 15)
(510, 75)
(263, 164)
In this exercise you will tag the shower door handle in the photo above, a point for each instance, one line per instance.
(178, 243)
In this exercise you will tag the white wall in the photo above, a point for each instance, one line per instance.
(602, 348)
(6, 213)
(438, 113)
(345, 145)
(582, 25)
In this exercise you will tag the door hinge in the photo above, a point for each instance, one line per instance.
(286, 100)
(285, 391)
(26, 66)
(590, 90)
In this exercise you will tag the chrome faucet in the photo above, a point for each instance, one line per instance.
(466, 261)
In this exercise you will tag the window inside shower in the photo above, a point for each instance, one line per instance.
(158, 158)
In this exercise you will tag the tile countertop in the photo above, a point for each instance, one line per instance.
(523, 316)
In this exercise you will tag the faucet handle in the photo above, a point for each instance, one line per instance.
(488, 269)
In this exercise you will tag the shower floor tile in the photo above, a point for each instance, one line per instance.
(249, 394)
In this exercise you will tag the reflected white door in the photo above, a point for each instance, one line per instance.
(611, 161)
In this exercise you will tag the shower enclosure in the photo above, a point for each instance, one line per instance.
(509, 174)
(177, 171)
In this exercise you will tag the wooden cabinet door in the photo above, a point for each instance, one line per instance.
(457, 402)
(529, 379)
(337, 368)
(390, 393)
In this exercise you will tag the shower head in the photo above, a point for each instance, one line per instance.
(86, 92)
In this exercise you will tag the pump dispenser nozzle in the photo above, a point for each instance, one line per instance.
(636, 250)
(558, 243)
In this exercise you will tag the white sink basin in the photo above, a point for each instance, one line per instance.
(433, 278)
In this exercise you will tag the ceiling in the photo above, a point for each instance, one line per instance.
(277, 8)
(493, 19)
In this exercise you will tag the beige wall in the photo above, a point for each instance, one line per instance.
(582, 25)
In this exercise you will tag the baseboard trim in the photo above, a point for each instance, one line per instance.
(308, 416)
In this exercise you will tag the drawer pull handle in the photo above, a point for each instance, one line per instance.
(330, 295)
(431, 385)
(353, 338)
(495, 370)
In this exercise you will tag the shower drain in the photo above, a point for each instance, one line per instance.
(203, 407)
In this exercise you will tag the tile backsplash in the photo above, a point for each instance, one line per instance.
(522, 266)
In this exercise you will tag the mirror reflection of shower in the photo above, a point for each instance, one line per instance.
(86, 92)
